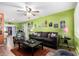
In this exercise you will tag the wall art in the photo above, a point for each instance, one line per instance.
(62, 24)
(50, 24)
(56, 25)
(46, 23)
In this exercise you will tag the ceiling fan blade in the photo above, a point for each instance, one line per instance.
(35, 11)
(33, 14)
(21, 11)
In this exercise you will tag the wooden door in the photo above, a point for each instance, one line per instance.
(1, 28)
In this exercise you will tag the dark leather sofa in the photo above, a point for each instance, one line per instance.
(46, 38)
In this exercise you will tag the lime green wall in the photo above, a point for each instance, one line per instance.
(18, 25)
(68, 16)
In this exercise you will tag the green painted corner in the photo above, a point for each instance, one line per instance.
(67, 16)
(76, 45)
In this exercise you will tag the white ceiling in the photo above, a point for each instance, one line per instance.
(45, 8)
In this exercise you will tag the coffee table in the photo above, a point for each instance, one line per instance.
(32, 44)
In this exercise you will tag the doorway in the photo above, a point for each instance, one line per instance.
(9, 30)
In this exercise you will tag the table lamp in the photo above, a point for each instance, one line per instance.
(66, 29)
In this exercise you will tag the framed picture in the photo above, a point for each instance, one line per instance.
(50, 24)
(46, 23)
(56, 25)
(62, 24)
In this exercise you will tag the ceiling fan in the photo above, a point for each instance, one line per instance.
(28, 10)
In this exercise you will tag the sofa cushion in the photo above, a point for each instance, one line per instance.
(44, 34)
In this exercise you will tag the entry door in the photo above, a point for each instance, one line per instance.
(9, 30)
(1, 28)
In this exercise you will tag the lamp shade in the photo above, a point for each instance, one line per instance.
(66, 29)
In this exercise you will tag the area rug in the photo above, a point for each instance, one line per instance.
(21, 52)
